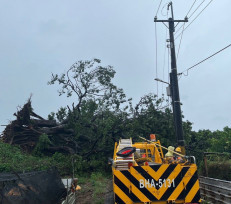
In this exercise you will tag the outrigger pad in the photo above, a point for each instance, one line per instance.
(126, 151)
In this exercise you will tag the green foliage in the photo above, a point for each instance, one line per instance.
(60, 115)
(51, 116)
(208, 141)
(221, 141)
(12, 159)
(205, 202)
(148, 117)
(43, 143)
(89, 80)
(198, 143)
(103, 115)
(97, 117)
(218, 169)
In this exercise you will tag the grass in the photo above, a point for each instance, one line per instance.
(99, 183)
(93, 188)
(205, 202)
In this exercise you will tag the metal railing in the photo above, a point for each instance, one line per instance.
(71, 196)
(70, 199)
(215, 190)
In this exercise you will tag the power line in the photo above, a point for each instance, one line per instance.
(162, 10)
(158, 7)
(191, 7)
(156, 60)
(204, 60)
(196, 8)
(180, 41)
(157, 49)
(191, 14)
(168, 76)
(164, 59)
(168, 65)
(183, 28)
(177, 25)
(195, 18)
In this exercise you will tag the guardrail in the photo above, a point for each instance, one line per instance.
(215, 190)
(71, 197)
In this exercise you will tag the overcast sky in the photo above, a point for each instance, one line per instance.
(38, 38)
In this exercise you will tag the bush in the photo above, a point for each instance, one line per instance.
(220, 170)
(217, 169)
(43, 143)
(12, 159)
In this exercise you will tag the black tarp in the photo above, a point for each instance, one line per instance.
(43, 187)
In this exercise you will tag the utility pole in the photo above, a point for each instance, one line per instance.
(174, 81)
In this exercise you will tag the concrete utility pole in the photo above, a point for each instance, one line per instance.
(174, 81)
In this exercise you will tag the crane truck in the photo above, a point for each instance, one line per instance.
(142, 174)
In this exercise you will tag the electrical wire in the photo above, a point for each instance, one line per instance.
(183, 28)
(168, 66)
(162, 10)
(186, 70)
(164, 60)
(180, 41)
(196, 8)
(168, 79)
(164, 107)
(191, 7)
(177, 25)
(156, 60)
(190, 15)
(165, 47)
(158, 7)
(195, 18)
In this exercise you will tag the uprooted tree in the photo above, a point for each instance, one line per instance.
(82, 128)
(28, 127)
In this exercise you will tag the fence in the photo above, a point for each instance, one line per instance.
(71, 197)
(215, 190)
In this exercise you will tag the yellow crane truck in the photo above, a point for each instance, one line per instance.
(141, 172)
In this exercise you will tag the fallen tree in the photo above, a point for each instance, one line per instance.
(29, 126)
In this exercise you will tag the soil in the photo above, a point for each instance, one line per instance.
(85, 195)
(109, 195)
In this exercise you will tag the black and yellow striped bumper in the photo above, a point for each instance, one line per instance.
(166, 183)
